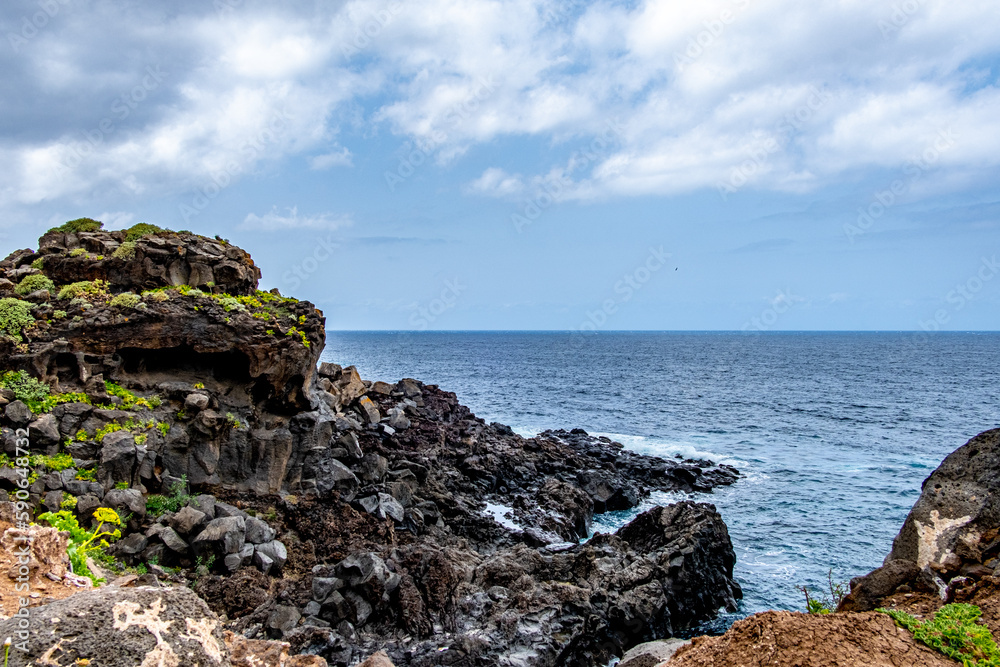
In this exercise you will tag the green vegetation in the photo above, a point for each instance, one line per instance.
(33, 283)
(121, 485)
(156, 295)
(84, 287)
(157, 504)
(129, 425)
(15, 317)
(68, 502)
(125, 300)
(129, 400)
(59, 315)
(199, 385)
(57, 462)
(233, 421)
(138, 230)
(78, 225)
(82, 542)
(38, 263)
(25, 388)
(77, 252)
(825, 605)
(301, 334)
(87, 475)
(955, 631)
(163, 427)
(125, 251)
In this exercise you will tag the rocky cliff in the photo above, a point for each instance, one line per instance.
(947, 551)
(306, 504)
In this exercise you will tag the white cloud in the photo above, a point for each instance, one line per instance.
(497, 183)
(341, 158)
(699, 88)
(273, 220)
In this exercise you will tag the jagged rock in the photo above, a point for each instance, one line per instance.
(275, 554)
(52, 501)
(43, 434)
(172, 540)
(120, 458)
(369, 410)
(187, 520)
(124, 627)
(651, 654)
(132, 545)
(398, 420)
(18, 413)
(951, 531)
(221, 536)
(129, 500)
(349, 441)
(378, 659)
(223, 510)
(283, 618)
(257, 531)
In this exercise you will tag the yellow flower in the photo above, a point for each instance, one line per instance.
(106, 515)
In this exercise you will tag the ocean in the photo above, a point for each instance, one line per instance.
(832, 432)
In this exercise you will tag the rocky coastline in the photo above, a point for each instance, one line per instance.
(278, 510)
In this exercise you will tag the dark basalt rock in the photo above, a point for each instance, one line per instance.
(346, 515)
(952, 532)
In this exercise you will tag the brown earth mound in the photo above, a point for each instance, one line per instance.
(786, 639)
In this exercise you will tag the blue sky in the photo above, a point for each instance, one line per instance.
(526, 164)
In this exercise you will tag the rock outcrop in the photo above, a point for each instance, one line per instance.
(309, 506)
(951, 537)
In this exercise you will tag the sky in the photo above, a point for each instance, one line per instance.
(532, 164)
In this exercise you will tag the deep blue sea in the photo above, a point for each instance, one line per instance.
(833, 432)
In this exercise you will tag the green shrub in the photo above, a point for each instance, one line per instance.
(25, 388)
(229, 303)
(59, 314)
(125, 251)
(88, 287)
(156, 295)
(15, 315)
(89, 475)
(38, 263)
(157, 504)
(955, 631)
(125, 300)
(78, 225)
(81, 542)
(138, 230)
(68, 502)
(33, 283)
(77, 252)
(58, 462)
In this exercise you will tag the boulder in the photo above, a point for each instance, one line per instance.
(187, 520)
(274, 553)
(257, 531)
(43, 433)
(378, 659)
(124, 627)
(651, 654)
(126, 500)
(369, 410)
(398, 420)
(18, 413)
(222, 536)
(120, 457)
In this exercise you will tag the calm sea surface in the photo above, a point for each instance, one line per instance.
(833, 432)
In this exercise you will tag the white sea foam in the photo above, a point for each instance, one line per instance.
(503, 515)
